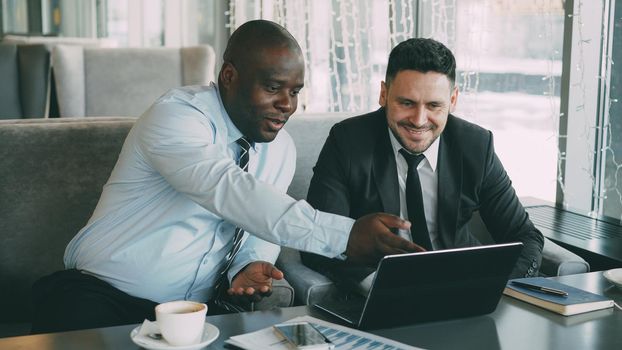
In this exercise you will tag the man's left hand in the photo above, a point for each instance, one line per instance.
(254, 281)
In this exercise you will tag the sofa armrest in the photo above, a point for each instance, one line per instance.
(310, 286)
(282, 296)
(558, 261)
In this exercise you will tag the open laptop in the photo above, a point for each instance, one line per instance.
(431, 286)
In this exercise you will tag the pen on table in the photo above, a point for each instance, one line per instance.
(540, 288)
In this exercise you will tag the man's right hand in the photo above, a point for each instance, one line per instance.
(371, 239)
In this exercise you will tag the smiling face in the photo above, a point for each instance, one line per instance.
(417, 105)
(260, 92)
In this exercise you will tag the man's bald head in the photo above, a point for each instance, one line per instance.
(253, 37)
(260, 78)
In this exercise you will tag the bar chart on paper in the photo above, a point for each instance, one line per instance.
(343, 338)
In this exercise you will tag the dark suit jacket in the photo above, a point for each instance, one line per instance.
(356, 175)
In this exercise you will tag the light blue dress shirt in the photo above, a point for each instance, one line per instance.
(167, 215)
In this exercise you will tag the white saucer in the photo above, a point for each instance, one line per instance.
(614, 276)
(210, 333)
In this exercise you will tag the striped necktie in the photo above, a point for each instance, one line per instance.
(221, 283)
(414, 201)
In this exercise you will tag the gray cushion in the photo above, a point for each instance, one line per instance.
(558, 261)
(310, 286)
(51, 177)
(309, 131)
(124, 81)
(69, 75)
(282, 296)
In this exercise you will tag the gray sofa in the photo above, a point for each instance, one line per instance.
(51, 175)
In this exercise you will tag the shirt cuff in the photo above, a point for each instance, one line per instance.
(332, 232)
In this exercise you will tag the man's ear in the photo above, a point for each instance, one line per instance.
(382, 100)
(228, 74)
(453, 99)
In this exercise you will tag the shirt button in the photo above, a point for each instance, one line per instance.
(534, 265)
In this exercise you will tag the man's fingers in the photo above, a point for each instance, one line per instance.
(271, 271)
(392, 221)
(235, 291)
(397, 244)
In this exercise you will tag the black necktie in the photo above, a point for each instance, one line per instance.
(414, 201)
(221, 283)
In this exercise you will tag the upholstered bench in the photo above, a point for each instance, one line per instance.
(51, 176)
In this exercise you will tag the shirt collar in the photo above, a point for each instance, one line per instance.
(431, 154)
(233, 133)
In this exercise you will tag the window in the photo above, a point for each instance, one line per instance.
(135, 23)
(508, 54)
(14, 16)
(539, 73)
(509, 57)
(590, 100)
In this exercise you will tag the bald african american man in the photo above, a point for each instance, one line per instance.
(202, 166)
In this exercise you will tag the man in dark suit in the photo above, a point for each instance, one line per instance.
(414, 159)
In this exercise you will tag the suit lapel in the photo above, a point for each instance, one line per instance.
(384, 169)
(449, 187)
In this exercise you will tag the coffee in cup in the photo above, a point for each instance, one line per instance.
(181, 322)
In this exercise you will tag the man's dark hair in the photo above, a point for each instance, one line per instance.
(422, 55)
(254, 35)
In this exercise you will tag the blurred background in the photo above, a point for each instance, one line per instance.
(539, 74)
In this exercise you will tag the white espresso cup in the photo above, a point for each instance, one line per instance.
(181, 322)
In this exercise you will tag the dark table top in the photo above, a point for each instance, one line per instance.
(513, 325)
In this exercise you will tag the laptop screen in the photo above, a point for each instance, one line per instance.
(438, 285)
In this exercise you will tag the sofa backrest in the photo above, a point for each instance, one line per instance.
(124, 81)
(51, 176)
(24, 82)
(309, 131)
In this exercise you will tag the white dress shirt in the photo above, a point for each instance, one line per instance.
(167, 215)
(429, 188)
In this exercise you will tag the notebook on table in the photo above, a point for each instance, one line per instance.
(575, 301)
(431, 286)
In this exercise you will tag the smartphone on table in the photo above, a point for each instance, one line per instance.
(303, 336)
